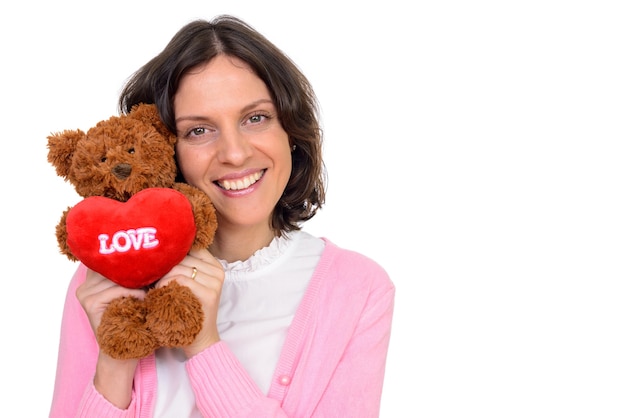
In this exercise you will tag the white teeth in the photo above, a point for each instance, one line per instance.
(241, 183)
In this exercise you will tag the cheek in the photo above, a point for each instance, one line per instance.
(286, 163)
(285, 169)
(189, 163)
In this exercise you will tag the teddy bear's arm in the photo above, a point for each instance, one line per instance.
(203, 212)
(61, 232)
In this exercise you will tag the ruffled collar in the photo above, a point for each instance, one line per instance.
(262, 257)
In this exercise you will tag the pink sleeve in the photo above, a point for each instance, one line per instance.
(355, 386)
(342, 363)
(74, 393)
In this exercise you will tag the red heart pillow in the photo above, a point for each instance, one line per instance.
(132, 243)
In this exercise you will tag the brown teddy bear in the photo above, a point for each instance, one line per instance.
(133, 225)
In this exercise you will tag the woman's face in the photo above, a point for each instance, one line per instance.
(230, 143)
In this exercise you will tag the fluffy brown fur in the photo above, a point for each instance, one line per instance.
(116, 159)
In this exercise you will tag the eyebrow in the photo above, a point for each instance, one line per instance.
(243, 110)
(256, 103)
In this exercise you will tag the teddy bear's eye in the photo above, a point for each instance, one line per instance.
(103, 159)
(131, 151)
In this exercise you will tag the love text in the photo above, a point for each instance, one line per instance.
(131, 239)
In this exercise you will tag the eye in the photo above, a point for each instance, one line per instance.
(131, 151)
(197, 131)
(103, 159)
(200, 132)
(257, 118)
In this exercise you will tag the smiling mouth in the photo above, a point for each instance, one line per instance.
(242, 183)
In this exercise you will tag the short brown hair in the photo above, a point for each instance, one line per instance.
(200, 41)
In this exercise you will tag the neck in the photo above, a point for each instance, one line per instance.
(239, 244)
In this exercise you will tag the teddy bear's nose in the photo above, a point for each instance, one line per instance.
(121, 171)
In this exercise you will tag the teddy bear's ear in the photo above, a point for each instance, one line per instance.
(61, 147)
(148, 113)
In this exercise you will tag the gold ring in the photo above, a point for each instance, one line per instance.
(194, 271)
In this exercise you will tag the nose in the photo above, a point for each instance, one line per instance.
(122, 171)
(234, 147)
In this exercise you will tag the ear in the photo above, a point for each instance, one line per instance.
(149, 114)
(61, 147)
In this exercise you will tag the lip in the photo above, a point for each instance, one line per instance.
(253, 176)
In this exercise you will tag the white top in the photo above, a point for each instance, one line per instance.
(259, 299)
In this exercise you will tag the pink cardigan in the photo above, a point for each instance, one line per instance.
(332, 363)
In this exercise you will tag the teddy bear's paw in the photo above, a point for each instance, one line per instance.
(174, 315)
(122, 333)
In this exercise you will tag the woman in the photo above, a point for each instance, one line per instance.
(294, 326)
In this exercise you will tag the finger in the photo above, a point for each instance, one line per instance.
(201, 256)
(105, 289)
(182, 274)
(194, 273)
(210, 275)
(198, 261)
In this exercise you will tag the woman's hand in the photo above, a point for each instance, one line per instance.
(113, 378)
(207, 286)
(97, 292)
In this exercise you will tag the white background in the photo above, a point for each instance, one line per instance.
(474, 149)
